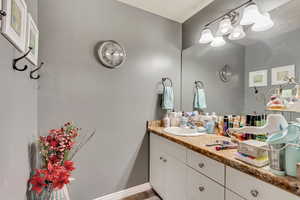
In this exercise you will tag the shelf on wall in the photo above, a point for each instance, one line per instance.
(295, 110)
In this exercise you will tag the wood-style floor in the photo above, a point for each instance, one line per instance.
(148, 195)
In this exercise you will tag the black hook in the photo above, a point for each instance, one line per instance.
(2, 13)
(32, 72)
(18, 59)
(255, 90)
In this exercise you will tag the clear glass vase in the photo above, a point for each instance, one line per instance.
(44, 195)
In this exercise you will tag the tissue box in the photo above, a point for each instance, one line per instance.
(252, 148)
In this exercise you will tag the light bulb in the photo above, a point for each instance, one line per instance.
(264, 23)
(206, 36)
(218, 41)
(225, 26)
(237, 33)
(251, 15)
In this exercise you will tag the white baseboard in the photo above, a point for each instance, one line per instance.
(126, 193)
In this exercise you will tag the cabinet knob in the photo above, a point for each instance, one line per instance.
(201, 188)
(254, 193)
(161, 158)
(201, 165)
(165, 160)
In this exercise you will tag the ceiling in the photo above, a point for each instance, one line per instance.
(177, 10)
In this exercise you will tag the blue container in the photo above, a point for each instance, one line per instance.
(292, 156)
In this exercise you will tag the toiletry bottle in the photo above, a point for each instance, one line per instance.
(210, 127)
(248, 120)
(166, 121)
(183, 120)
(226, 123)
(221, 125)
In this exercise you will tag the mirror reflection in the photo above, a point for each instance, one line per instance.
(239, 74)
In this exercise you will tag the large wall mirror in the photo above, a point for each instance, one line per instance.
(279, 46)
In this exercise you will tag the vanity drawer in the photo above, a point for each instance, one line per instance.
(232, 196)
(201, 187)
(173, 149)
(207, 166)
(254, 189)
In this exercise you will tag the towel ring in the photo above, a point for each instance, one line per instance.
(167, 79)
(199, 84)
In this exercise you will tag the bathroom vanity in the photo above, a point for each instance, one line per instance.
(183, 168)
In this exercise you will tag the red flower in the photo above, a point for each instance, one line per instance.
(54, 159)
(69, 165)
(54, 143)
(61, 178)
(38, 183)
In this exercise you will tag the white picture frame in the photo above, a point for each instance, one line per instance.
(32, 41)
(279, 73)
(15, 22)
(258, 78)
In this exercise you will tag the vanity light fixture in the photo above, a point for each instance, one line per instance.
(263, 24)
(237, 33)
(218, 41)
(229, 26)
(225, 26)
(206, 36)
(251, 15)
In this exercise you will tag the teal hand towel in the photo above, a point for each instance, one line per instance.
(168, 98)
(199, 99)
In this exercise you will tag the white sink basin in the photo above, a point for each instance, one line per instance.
(185, 131)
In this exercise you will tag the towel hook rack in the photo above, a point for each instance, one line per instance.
(199, 84)
(167, 79)
(33, 71)
(16, 60)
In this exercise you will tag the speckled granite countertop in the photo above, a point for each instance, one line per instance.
(226, 157)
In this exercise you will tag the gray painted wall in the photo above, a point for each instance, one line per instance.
(202, 62)
(74, 86)
(272, 52)
(18, 120)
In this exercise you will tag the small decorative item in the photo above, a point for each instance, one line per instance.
(258, 78)
(111, 54)
(32, 40)
(281, 75)
(225, 73)
(15, 22)
(57, 150)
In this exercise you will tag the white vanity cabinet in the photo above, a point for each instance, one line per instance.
(177, 173)
(168, 171)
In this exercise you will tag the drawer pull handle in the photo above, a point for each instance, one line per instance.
(201, 188)
(254, 193)
(201, 165)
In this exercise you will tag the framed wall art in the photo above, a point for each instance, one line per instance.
(32, 40)
(258, 78)
(280, 74)
(15, 22)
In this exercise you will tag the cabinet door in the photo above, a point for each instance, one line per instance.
(176, 179)
(231, 196)
(200, 187)
(157, 167)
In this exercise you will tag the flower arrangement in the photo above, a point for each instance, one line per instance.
(57, 150)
